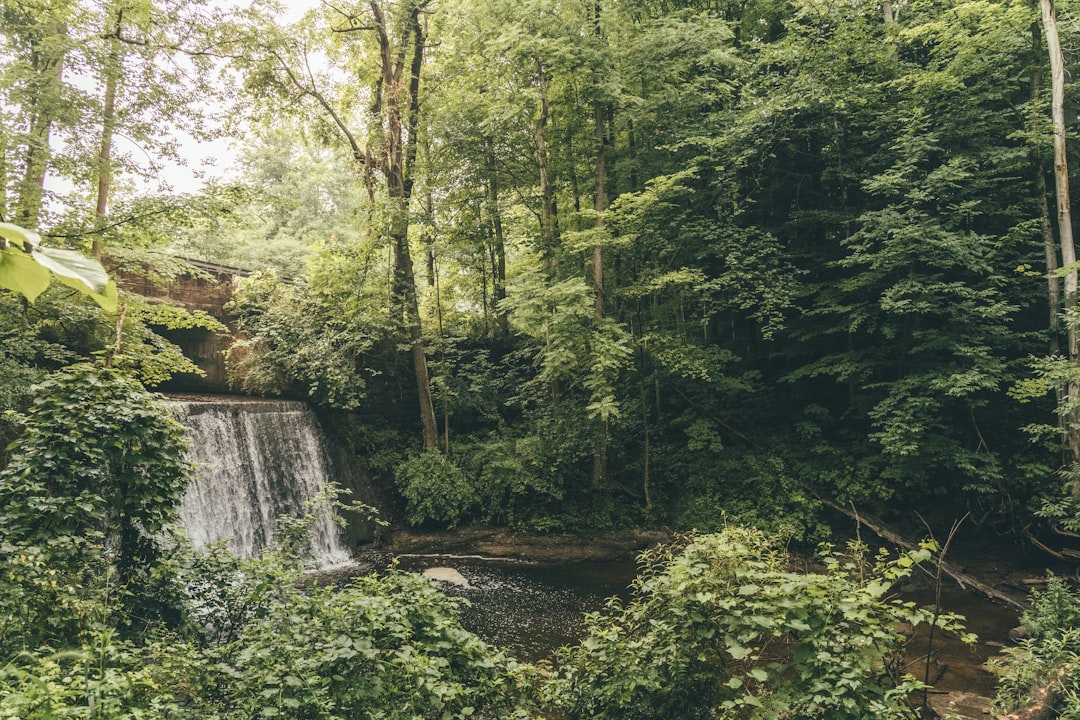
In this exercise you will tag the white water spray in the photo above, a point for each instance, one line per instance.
(255, 461)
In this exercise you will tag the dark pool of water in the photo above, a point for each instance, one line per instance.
(526, 608)
(958, 666)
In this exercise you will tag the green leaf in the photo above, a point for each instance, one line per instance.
(20, 237)
(739, 652)
(25, 267)
(80, 273)
(20, 273)
(758, 674)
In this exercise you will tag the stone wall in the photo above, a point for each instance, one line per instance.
(207, 291)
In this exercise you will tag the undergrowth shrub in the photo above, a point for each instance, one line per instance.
(720, 626)
(435, 489)
(1049, 655)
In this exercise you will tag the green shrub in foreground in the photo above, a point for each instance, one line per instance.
(720, 627)
(1050, 654)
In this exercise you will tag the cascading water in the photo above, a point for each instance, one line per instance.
(255, 460)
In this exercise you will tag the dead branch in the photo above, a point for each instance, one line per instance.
(964, 580)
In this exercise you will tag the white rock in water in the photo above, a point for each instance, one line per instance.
(448, 575)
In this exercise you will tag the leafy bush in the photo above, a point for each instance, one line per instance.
(511, 484)
(435, 489)
(92, 482)
(746, 488)
(388, 647)
(720, 627)
(106, 678)
(1049, 654)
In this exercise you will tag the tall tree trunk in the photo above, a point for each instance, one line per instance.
(398, 159)
(599, 180)
(108, 127)
(600, 470)
(1046, 226)
(646, 459)
(1064, 219)
(600, 464)
(887, 12)
(549, 224)
(48, 65)
(498, 264)
(429, 240)
(4, 165)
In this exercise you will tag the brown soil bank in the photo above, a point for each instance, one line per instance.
(548, 548)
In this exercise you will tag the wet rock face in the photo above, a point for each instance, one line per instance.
(446, 575)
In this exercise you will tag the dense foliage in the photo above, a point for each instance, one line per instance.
(719, 623)
(92, 484)
(724, 627)
(618, 263)
(573, 265)
(669, 255)
(1045, 662)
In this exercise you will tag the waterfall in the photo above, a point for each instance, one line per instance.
(255, 460)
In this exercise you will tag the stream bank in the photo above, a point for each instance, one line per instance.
(537, 569)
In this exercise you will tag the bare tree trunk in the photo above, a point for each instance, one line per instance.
(4, 150)
(48, 64)
(600, 464)
(646, 480)
(498, 265)
(599, 180)
(1064, 221)
(1046, 226)
(549, 225)
(108, 127)
(397, 165)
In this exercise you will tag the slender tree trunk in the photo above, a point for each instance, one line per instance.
(600, 471)
(549, 225)
(549, 218)
(498, 264)
(1064, 219)
(104, 180)
(1046, 225)
(4, 165)
(646, 480)
(108, 127)
(398, 158)
(48, 65)
(599, 181)
(600, 463)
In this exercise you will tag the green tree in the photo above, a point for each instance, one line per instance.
(385, 47)
(91, 485)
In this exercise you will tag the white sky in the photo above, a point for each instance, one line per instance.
(214, 160)
(204, 161)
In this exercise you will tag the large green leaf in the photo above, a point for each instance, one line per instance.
(19, 272)
(81, 273)
(25, 266)
(19, 236)
(70, 264)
